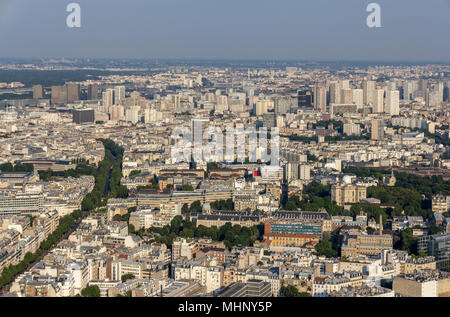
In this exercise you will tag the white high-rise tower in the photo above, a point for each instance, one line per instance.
(392, 102)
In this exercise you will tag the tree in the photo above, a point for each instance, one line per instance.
(325, 247)
(185, 209)
(435, 229)
(91, 291)
(407, 241)
(291, 206)
(24, 168)
(223, 204)
(292, 291)
(187, 188)
(6, 167)
(196, 206)
(127, 277)
(134, 173)
(117, 217)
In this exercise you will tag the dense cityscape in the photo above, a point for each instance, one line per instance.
(344, 193)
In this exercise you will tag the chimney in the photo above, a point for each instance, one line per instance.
(381, 225)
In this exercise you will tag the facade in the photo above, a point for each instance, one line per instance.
(377, 130)
(289, 233)
(92, 92)
(122, 267)
(21, 203)
(440, 203)
(83, 116)
(392, 102)
(252, 288)
(363, 244)
(347, 194)
(38, 92)
(59, 95)
(183, 248)
(324, 286)
(437, 245)
(320, 98)
(428, 283)
(73, 92)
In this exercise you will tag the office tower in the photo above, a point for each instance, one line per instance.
(447, 91)
(83, 116)
(437, 245)
(377, 131)
(38, 92)
(423, 85)
(73, 92)
(352, 129)
(393, 102)
(285, 104)
(378, 102)
(92, 92)
(407, 90)
(199, 125)
(119, 94)
(346, 96)
(152, 115)
(358, 98)
(344, 84)
(343, 108)
(335, 92)
(291, 171)
(221, 104)
(269, 120)
(117, 113)
(304, 99)
(236, 106)
(305, 172)
(391, 85)
(369, 92)
(435, 95)
(132, 114)
(108, 98)
(210, 97)
(293, 101)
(320, 98)
(59, 95)
(175, 100)
(260, 107)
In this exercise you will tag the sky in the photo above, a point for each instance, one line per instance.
(321, 30)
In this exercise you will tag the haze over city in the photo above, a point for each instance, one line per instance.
(412, 30)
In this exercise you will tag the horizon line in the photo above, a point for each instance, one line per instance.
(232, 59)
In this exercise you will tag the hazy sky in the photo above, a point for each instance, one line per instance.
(412, 30)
